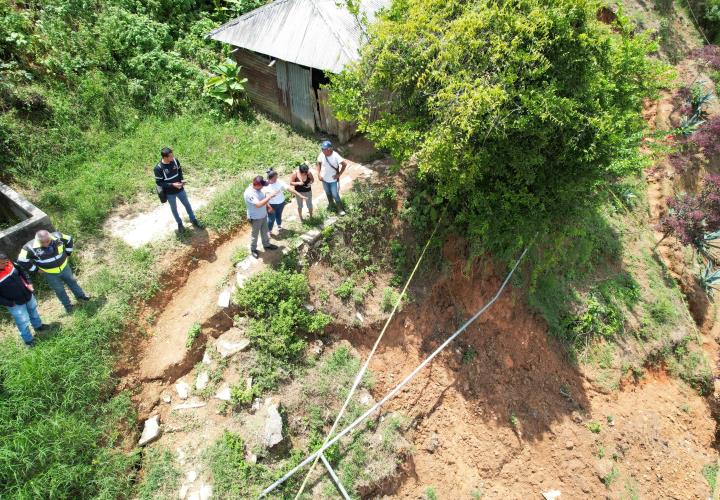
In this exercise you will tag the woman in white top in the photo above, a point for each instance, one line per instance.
(277, 202)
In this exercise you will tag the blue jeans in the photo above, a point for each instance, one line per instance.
(58, 281)
(275, 215)
(25, 315)
(172, 201)
(332, 191)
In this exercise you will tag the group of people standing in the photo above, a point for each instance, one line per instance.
(265, 199)
(48, 253)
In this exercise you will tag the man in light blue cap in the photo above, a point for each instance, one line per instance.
(330, 166)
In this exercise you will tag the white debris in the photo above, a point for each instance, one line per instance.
(166, 398)
(223, 394)
(359, 317)
(206, 358)
(202, 381)
(191, 476)
(224, 298)
(183, 390)
(551, 495)
(151, 431)
(184, 491)
(240, 279)
(232, 342)
(272, 432)
(205, 492)
(189, 406)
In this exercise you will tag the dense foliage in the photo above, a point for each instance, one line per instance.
(71, 66)
(517, 111)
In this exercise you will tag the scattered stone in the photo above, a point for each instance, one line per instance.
(432, 443)
(250, 457)
(191, 476)
(248, 383)
(240, 279)
(206, 358)
(551, 495)
(189, 406)
(183, 390)
(205, 492)
(151, 431)
(202, 381)
(257, 402)
(272, 432)
(317, 347)
(246, 263)
(569, 445)
(309, 308)
(232, 342)
(365, 398)
(166, 397)
(223, 394)
(184, 491)
(224, 298)
(359, 317)
(603, 468)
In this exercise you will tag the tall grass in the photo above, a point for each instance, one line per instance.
(80, 189)
(58, 420)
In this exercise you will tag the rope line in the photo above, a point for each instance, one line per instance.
(397, 388)
(361, 373)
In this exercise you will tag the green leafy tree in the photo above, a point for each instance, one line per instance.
(516, 111)
(227, 85)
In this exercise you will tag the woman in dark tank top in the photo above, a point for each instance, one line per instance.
(301, 180)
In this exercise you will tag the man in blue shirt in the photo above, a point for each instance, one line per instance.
(256, 202)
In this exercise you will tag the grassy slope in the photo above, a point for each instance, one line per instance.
(81, 189)
(610, 300)
(59, 426)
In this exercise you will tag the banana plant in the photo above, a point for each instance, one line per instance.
(227, 85)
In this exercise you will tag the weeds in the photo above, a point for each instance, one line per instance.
(345, 290)
(710, 472)
(594, 427)
(192, 335)
(611, 476)
(389, 299)
(239, 255)
(161, 478)
(430, 493)
(469, 355)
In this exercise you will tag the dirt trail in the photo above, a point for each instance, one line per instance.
(514, 418)
(190, 296)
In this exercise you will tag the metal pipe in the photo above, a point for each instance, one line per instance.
(334, 477)
(398, 387)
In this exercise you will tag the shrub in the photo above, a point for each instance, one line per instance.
(227, 86)
(192, 335)
(345, 290)
(517, 112)
(276, 300)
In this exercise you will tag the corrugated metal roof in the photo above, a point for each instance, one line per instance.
(316, 33)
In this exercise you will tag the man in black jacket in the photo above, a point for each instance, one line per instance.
(16, 293)
(169, 176)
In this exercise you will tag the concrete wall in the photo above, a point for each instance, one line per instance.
(32, 219)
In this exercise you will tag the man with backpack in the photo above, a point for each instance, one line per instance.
(169, 179)
(330, 166)
(16, 294)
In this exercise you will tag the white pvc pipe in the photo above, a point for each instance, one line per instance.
(398, 387)
(334, 477)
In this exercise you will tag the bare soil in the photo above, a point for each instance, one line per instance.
(513, 420)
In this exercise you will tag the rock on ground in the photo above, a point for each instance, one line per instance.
(183, 390)
(232, 342)
(272, 431)
(202, 381)
(151, 431)
(223, 394)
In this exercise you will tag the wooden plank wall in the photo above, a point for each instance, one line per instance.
(262, 84)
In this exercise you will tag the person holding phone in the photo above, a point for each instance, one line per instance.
(169, 176)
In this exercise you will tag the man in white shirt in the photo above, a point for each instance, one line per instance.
(256, 202)
(330, 166)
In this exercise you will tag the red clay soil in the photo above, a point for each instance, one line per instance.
(514, 421)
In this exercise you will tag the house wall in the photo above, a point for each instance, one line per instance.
(287, 91)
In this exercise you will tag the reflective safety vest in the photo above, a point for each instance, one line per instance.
(51, 259)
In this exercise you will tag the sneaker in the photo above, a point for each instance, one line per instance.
(84, 298)
(271, 247)
(255, 254)
(280, 228)
(30, 344)
(69, 309)
(41, 328)
(342, 212)
(197, 224)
